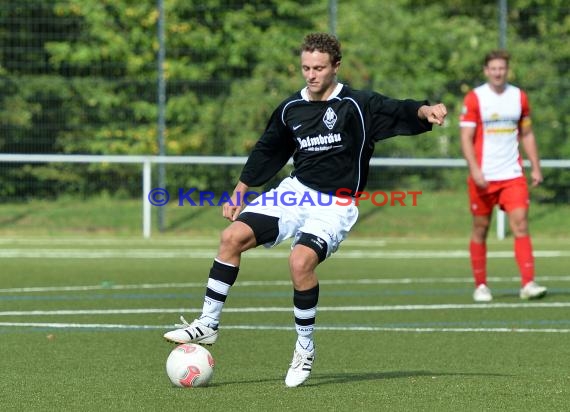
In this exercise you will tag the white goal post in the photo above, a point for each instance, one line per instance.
(148, 161)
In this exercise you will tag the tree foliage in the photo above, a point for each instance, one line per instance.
(80, 76)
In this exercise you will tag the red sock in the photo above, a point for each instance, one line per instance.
(478, 253)
(524, 258)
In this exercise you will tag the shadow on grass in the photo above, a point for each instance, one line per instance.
(513, 295)
(335, 379)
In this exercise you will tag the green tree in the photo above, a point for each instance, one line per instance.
(79, 76)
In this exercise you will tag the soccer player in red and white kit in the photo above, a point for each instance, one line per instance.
(494, 119)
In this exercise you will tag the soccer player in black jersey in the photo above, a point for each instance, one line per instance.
(330, 130)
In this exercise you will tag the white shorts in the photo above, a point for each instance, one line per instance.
(304, 210)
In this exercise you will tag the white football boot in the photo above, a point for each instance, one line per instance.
(532, 291)
(195, 332)
(300, 368)
(482, 294)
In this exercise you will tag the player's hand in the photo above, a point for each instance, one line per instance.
(536, 177)
(232, 209)
(434, 114)
(479, 179)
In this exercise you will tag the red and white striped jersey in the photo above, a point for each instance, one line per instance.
(497, 119)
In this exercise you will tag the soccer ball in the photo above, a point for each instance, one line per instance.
(190, 366)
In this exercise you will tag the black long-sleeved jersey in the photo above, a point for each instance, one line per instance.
(331, 141)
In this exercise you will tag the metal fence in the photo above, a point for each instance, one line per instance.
(146, 180)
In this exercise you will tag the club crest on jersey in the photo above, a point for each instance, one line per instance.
(329, 118)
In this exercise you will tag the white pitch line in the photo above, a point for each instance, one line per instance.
(288, 328)
(258, 283)
(399, 329)
(213, 241)
(50, 241)
(79, 325)
(253, 254)
(378, 308)
(105, 286)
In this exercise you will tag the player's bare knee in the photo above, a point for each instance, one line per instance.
(519, 228)
(302, 263)
(237, 238)
(481, 226)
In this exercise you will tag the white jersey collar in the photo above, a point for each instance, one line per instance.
(336, 91)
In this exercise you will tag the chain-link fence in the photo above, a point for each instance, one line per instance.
(180, 77)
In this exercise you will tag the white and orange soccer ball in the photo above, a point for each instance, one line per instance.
(190, 366)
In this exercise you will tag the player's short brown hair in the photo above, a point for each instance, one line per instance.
(497, 54)
(324, 43)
